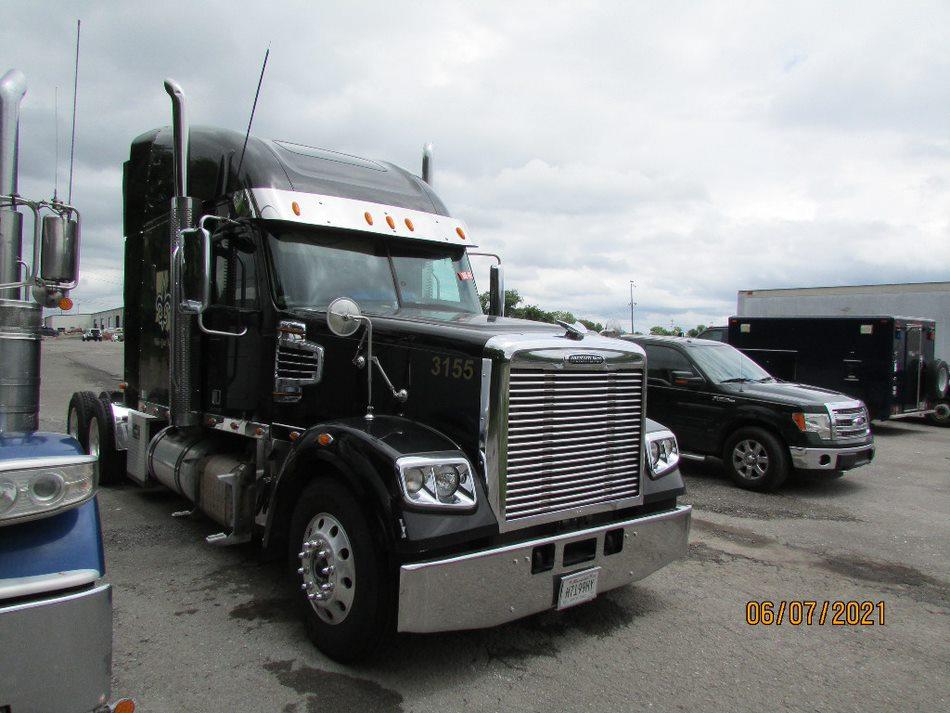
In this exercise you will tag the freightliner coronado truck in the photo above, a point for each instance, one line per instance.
(55, 609)
(307, 361)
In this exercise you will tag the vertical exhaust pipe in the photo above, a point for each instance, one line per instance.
(182, 356)
(12, 90)
(19, 319)
(427, 165)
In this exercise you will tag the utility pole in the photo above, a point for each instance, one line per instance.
(632, 304)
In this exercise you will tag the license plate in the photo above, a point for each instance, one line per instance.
(577, 588)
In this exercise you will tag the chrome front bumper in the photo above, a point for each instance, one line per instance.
(56, 653)
(831, 458)
(491, 587)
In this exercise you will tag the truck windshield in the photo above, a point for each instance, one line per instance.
(312, 268)
(724, 364)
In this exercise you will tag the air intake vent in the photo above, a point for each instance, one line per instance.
(573, 440)
(298, 362)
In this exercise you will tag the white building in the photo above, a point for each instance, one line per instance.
(106, 319)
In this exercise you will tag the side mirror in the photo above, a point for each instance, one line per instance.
(59, 261)
(343, 317)
(686, 378)
(193, 271)
(496, 291)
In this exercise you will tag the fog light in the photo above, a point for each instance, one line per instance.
(446, 482)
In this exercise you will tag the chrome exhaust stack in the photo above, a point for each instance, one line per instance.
(427, 163)
(182, 360)
(12, 91)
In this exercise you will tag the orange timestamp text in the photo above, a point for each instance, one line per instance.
(809, 612)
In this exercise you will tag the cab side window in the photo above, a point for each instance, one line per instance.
(662, 361)
(234, 282)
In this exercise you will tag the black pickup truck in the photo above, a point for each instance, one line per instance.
(721, 404)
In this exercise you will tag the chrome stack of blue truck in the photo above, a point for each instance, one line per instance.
(55, 609)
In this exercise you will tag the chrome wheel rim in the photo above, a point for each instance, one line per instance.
(750, 459)
(942, 412)
(72, 425)
(328, 568)
(94, 438)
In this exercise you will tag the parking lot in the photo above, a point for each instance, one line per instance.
(204, 628)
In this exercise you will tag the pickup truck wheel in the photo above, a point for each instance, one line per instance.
(101, 443)
(941, 415)
(756, 460)
(339, 573)
(80, 409)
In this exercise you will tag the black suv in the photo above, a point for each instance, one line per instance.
(720, 403)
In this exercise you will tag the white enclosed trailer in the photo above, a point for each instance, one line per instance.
(929, 300)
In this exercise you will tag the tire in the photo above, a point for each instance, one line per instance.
(360, 610)
(755, 459)
(101, 442)
(937, 379)
(941, 414)
(82, 404)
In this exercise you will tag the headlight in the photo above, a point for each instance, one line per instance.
(819, 423)
(437, 482)
(663, 454)
(34, 487)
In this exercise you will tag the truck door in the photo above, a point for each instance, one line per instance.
(685, 410)
(231, 364)
(913, 368)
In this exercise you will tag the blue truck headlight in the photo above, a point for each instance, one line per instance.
(663, 453)
(436, 482)
(35, 487)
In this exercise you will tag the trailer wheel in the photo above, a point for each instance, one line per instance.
(941, 415)
(756, 460)
(101, 442)
(80, 409)
(937, 377)
(339, 573)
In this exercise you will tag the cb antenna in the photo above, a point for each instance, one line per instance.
(72, 141)
(56, 134)
(253, 108)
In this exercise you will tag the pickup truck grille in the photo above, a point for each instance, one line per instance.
(573, 440)
(849, 423)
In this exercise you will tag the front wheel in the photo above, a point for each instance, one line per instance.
(756, 460)
(344, 591)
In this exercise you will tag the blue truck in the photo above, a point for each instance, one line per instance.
(55, 609)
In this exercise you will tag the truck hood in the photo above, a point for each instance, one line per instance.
(781, 392)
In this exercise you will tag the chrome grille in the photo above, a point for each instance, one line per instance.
(298, 362)
(573, 439)
(850, 422)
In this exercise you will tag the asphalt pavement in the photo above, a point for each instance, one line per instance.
(212, 629)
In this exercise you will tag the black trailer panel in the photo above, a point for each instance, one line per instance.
(882, 360)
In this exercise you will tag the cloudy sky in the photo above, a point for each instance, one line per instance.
(694, 148)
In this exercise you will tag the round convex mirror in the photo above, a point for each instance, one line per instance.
(342, 316)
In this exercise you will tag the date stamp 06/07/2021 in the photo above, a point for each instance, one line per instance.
(810, 612)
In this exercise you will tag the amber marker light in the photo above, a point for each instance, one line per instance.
(126, 705)
(123, 386)
(799, 419)
(409, 224)
(65, 304)
(461, 233)
(294, 435)
(324, 439)
(369, 218)
(295, 207)
(391, 222)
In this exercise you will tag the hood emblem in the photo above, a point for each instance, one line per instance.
(585, 359)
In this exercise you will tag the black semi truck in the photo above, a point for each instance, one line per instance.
(307, 361)
(887, 362)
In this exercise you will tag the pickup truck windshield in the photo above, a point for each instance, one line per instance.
(312, 268)
(724, 364)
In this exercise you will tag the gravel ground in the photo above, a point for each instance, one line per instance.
(206, 628)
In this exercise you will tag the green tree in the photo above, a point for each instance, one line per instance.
(696, 331)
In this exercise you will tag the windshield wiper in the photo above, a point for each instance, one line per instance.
(765, 379)
(736, 380)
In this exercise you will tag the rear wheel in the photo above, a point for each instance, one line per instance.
(941, 414)
(344, 591)
(937, 376)
(80, 410)
(101, 443)
(756, 460)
